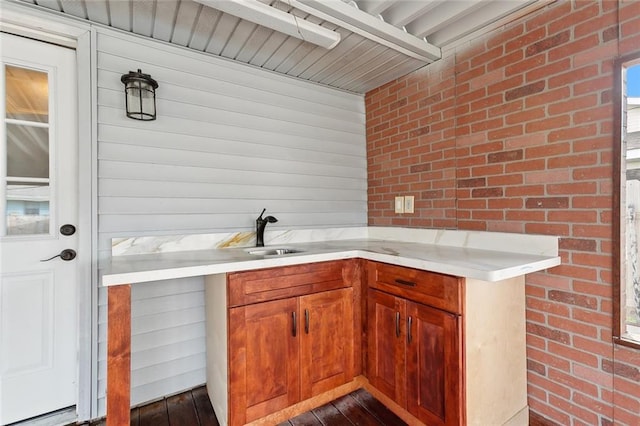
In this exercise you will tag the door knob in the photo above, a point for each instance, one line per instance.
(66, 255)
(67, 229)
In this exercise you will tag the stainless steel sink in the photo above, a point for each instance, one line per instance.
(268, 251)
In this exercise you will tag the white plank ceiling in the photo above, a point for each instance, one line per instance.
(357, 64)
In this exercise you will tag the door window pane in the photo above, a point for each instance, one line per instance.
(27, 208)
(27, 94)
(26, 188)
(27, 151)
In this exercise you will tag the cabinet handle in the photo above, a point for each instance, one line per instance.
(409, 322)
(407, 283)
(306, 321)
(397, 324)
(294, 324)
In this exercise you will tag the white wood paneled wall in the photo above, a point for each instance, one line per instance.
(229, 140)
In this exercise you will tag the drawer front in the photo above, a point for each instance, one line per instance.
(430, 288)
(287, 281)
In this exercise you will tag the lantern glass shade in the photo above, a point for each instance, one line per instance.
(140, 95)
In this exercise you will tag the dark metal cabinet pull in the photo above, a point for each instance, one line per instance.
(397, 324)
(407, 283)
(409, 322)
(306, 321)
(294, 324)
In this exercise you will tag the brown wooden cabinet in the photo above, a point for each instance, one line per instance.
(264, 359)
(386, 345)
(414, 350)
(326, 342)
(287, 350)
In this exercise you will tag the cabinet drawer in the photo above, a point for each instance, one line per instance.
(277, 283)
(437, 290)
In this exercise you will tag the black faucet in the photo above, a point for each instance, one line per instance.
(260, 225)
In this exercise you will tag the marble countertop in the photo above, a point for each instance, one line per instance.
(464, 260)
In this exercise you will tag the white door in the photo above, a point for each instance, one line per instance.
(38, 195)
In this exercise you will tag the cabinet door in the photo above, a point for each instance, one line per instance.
(326, 342)
(434, 365)
(263, 359)
(386, 346)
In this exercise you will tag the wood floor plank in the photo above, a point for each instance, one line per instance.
(206, 415)
(182, 410)
(154, 414)
(135, 417)
(375, 407)
(305, 419)
(354, 412)
(329, 415)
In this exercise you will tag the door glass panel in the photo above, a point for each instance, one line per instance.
(27, 94)
(27, 151)
(26, 147)
(27, 208)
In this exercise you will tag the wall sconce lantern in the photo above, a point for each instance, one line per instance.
(140, 95)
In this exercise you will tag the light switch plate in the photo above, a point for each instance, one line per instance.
(399, 205)
(408, 203)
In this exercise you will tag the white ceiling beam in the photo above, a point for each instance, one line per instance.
(404, 12)
(370, 27)
(442, 16)
(286, 23)
(374, 7)
(490, 12)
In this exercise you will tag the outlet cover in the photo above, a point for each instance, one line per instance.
(408, 203)
(399, 205)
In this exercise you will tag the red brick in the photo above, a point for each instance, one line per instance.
(523, 91)
(471, 183)
(505, 179)
(586, 159)
(524, 190)
(546, 70)
(573, 76)
(505, 132)
(593, 114)
(526, 115)
(548, 43)
(572, 188)
(525, 216)
(548, 124)
(573, 299)
(547, 203)
(547, 229)
(574, 132)
(574, 104)
(548, 333)
(547, 97)
(573, 215)
(505, 203)
(569, 48)
(487, 192)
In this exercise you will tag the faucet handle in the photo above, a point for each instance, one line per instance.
(260, 217)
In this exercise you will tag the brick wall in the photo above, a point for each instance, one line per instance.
(513, 131)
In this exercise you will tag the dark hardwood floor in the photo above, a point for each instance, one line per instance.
(193, 408)
(188, 408)
(357, 408)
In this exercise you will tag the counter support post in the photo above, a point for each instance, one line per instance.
(119, 355)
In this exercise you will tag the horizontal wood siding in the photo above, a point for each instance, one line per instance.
(229, 140)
